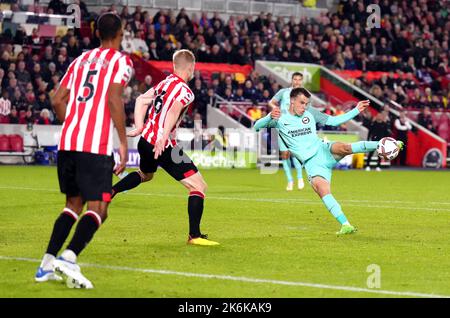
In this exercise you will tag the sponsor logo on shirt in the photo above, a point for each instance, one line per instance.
(305, 120)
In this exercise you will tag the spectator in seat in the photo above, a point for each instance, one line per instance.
(28, 118)
(22, 74)
(239, 96)
(5, 104)
(86, 44)
(42, 102)
(228, 96)
(57, 6)
(139, 43)
(426, 120)
(73, 49)
(249, 90)
(265, 97)
(153, 51)
(146, 85)
(378, 129)
(44, 117)
(211, 98)
(367, 118)
(128, 43)
(14, 116)
(402, 125)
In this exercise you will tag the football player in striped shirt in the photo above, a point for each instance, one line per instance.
(168, 101)
(88, 102)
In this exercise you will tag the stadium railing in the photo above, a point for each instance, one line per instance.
(279, 8)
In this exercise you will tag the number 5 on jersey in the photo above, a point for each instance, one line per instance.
(88, 87)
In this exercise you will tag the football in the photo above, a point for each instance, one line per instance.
(387, 148)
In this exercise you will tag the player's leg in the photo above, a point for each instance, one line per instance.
(131, 181)
(182, 169)
(65, 221)
(286, 162)
(340, 149)
(322, 187)
(94, 176)
(298, 166)
(147, 168)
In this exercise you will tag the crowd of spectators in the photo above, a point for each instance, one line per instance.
(412, 45)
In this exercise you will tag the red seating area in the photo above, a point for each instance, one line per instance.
(11, 143)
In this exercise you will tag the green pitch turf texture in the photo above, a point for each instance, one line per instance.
(285, 240)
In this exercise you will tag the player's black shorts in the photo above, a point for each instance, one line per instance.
(173, 160)
(85, 174)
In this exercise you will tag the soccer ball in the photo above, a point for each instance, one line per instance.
(387, 148)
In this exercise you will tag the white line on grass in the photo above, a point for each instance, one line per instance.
(243, 279)
(281, 200)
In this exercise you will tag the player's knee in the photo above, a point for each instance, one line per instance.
(285, 155)
(145, 177)
(201, 186)
(75, 204)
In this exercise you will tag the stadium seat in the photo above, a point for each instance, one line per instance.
(28, 28)
(16, 143)
(4, 143)
(5, 6)
(47, 31)
(61, 30)
(4, 119)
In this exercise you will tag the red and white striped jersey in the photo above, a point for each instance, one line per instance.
(173, 88)
(88, 126)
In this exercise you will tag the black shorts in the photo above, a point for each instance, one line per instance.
(173, 160)
(85, 174)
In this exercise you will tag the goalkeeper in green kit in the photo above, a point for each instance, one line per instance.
(297, 129)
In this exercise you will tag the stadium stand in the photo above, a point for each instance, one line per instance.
(411, 48)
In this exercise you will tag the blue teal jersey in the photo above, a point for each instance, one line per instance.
(283, 97)
(299, 132)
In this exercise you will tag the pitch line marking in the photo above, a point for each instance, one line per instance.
(279, 200)
(242, 279)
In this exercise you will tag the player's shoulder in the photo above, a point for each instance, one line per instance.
(123, 58)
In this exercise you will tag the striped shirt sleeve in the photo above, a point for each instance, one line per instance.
(67, 79)
(124, 71)
(185, 97)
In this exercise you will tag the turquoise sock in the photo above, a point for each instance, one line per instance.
(298, 167)
(287, 169)
(334, 208)
(364, 146)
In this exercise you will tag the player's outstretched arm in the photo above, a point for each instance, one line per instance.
(270, 121)
(273, 103)
(59, 102)
(116, 109)
(171, 119)
(341, 119)
(140, 109)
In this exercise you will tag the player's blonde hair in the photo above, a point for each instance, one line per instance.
(182, 58)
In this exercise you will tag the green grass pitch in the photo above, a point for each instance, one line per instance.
(273, 243)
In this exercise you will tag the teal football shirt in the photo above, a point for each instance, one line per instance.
(299, 132)
(283, 97)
